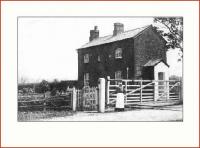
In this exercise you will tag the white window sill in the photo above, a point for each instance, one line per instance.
(118, 57)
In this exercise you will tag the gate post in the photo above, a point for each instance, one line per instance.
(102, 95)
(141, 91)
(125, 96)
(155, 90)
(181, 90)
(74, 99)
(167, 90)
(107, 90)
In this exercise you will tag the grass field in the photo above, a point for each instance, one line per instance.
(35, 115)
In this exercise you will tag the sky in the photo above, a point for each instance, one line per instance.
(47, 46)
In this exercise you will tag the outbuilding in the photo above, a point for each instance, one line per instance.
(158, 70)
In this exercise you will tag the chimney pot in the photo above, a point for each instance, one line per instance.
(94, 34)
(118, 28)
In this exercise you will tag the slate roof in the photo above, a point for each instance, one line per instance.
(111, 38)
(154, 62)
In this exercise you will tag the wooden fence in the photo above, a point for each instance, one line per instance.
(95, 98)
(75, 99)
(34, 103)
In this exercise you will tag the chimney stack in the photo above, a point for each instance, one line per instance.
(118, 28)
(94, 34)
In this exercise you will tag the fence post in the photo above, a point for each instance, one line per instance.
(74, 99)
(168, 91)
(180, 86)
(96, 97)
(102, 95)
(107, 90)
(44, 104)
(125, 96)
(77, 100)
(155, 91)
(141, 91)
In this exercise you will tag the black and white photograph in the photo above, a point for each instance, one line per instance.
(100, 74)
(103, 68)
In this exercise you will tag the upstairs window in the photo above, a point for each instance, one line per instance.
(98, 58)
(86, 79)
(138, 71)
(118, 53)
(118, 75)
(86, 58)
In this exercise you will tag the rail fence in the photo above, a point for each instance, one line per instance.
(41, 103)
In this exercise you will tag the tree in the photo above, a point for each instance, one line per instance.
(54, 84)
(44, 86)
(172, 30)
(54, 87)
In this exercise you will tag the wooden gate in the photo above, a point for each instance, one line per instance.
(137, 91)
(171, 90)
(134, 90)
(87, 98)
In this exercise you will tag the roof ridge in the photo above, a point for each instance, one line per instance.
(122, 32)
(154, 62)
(99, 38)
(113, 38)
(136, 28)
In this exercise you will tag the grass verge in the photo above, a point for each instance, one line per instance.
(36, 115)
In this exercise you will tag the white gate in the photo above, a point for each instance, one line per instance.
(137, 91)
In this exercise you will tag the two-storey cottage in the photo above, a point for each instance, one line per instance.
(124, 54)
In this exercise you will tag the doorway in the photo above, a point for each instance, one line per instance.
(161, 76)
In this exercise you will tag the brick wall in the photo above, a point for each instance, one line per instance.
(108, 65)
(148, 45)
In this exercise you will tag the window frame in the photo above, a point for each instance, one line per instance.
(138, 71)
(117, 73)
(86, 79)
(99, 58)
(118, 53)
(86, 58)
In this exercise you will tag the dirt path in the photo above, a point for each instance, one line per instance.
(167, 113)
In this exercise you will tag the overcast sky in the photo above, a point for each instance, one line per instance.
(47, 46)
